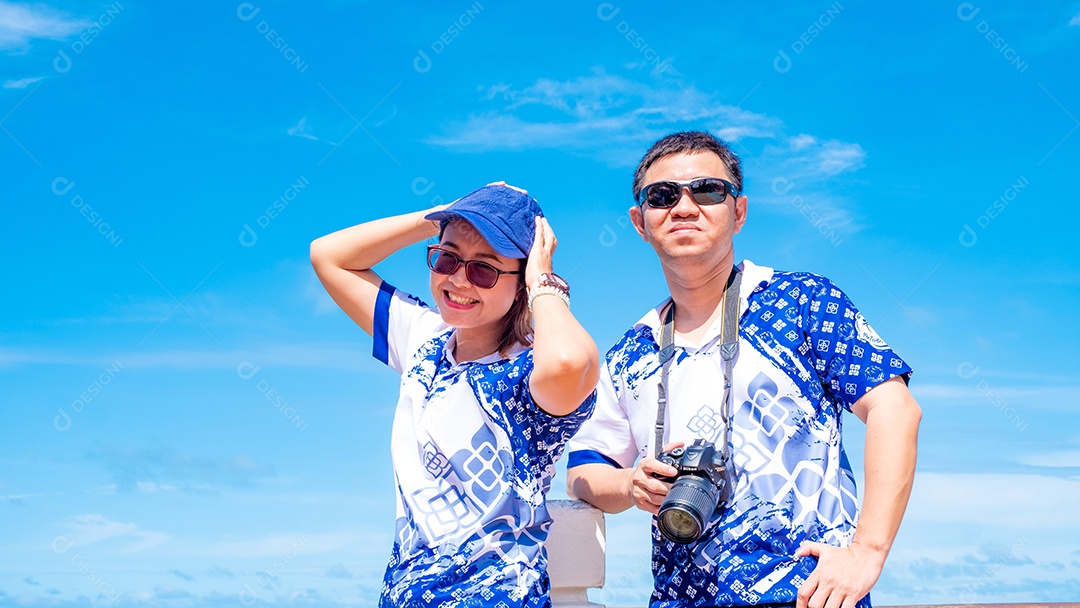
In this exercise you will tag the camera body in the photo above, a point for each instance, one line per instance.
(695, 492)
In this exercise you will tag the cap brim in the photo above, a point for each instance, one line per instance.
(491, 233)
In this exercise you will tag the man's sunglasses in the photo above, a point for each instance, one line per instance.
(703, 191)
(480, 274)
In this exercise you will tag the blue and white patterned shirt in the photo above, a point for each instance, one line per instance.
(473, 460)
(805, 353)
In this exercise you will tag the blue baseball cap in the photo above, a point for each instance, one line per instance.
(505, 217)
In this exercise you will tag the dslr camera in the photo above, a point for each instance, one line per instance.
(696, 489)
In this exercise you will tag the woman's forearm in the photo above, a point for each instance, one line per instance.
(566, 359)
(363, 246)
(343, 260)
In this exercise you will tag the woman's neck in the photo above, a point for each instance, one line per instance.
(474, 343)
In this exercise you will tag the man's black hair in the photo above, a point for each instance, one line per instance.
(688, 142)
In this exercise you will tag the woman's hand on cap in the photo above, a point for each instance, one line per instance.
(542, 249)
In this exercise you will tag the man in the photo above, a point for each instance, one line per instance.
(796, 353)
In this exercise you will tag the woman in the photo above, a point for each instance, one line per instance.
(486, 402)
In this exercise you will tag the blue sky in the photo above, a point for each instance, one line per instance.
(190, 421)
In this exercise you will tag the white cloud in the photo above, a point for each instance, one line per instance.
(21, 23)
(18, 498)
(1015, 568)
(302, 129)
(574, 115)
(339, 571)
(184, 575)
(164, 469)
(94, 528)
(740, 132)
(1059, 458)
(995, 499)
(837, 157)
(807, 158)
(974, 538)
(802, 141)
(168, 592)
(276, 545)
(614, 119)
(348, 356)
(942, 392)
(150, 487)
(1075, 20)
(22, 83)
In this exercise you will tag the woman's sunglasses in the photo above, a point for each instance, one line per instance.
(480, 274)
(703, 191)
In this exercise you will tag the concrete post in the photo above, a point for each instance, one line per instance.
(575, 547)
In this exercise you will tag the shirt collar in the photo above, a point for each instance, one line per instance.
(753, 275)
(451, 342)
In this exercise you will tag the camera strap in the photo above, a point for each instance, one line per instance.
(729, 348)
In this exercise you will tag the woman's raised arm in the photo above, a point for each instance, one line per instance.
(566, 361)
(343, 259)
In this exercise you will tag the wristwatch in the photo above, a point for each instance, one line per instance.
(550, 283)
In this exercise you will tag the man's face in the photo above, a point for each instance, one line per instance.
(689, 231)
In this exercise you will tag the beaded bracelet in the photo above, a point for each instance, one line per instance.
(545, 290)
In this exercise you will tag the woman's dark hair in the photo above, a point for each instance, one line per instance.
(516, 324)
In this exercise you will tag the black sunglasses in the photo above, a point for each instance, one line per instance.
(480, 274)
(703, 191)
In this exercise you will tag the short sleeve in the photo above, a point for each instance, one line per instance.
(402, 324)
(605, 437)
(849, 356)
(538, 438)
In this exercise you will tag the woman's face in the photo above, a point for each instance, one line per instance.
(462, 304)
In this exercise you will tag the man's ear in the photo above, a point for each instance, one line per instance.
(740, 213)
(639, 222)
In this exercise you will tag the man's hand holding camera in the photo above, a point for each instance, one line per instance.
(645, 489)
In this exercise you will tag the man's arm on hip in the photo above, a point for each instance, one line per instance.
(844, 575)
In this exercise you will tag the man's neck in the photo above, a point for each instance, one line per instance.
(698, 293)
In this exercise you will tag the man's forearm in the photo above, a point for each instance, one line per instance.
(891, 438)
(603, 486)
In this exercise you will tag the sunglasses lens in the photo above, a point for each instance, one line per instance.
(708, 191)
(663, 194)
(482, 275)
(443, 262)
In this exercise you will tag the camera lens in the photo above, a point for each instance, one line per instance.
(687, 508)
